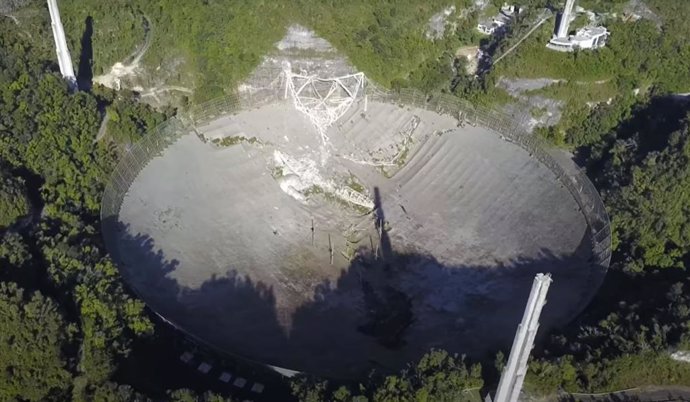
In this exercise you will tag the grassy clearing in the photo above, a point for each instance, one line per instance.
(534, 60)
(641, 370)
(625, 372)
(578, 92)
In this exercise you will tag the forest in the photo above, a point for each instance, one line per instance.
(69, 327)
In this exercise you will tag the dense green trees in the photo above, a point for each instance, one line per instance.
(33, 335)
(13, 201)
(386, 39)
(643, 310)
(128, 121)
(185, 395)
(211, 45)
(623, 340)
(438, 376)
(636, 149)
(651, 202)
(49, 134)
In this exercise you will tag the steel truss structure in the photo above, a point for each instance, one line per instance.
(323, 100)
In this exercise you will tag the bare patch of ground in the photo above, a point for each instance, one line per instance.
(681, 356)
(131, 74)
(472, 55)
(637, 9)
(517, 86)
(299, 37)
(542, 111)
(436, 28)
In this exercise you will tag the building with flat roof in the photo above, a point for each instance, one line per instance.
(496, 23)
(585, 38)
(590, 37)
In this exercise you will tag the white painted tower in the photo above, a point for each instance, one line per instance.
(64, 58)
(589, 37)
(564, 23)
(514, 373)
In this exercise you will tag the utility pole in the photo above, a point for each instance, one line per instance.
(64, 58)
(514, 373)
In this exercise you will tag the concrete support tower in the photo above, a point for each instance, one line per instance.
(514, 373)
(64, 58)
(564, 23)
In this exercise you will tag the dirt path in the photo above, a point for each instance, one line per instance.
(12, 17)
(102, 129)
(167, 88)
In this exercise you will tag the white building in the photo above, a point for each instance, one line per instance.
(495, 23)
(585, 38)
(591, 37)
(490, 27)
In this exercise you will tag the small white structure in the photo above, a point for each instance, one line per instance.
(490, 27)
(204, 367)
(258, 387)
(681, 356)
(509, 9)
(495, 23)
(240, 382)
(585, 38)
(591, 37)
(186, 357)
(225, 377)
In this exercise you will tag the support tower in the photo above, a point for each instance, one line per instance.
(564, 22)
(514, 373)
(589, 37)
(64, 58)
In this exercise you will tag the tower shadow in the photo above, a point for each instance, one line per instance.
(386, 248)
(85, 70)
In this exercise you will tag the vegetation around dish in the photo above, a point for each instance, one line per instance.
(67, 323)
(230, 141)
(13, 201)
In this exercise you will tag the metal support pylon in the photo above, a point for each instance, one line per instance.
(64, 58)
(514, 373)
(562, 31)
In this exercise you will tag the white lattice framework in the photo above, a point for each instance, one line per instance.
(323, 100)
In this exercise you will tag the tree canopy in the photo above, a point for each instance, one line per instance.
(13, 200)
(651, 201)
(33, 335)
(438, 376)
